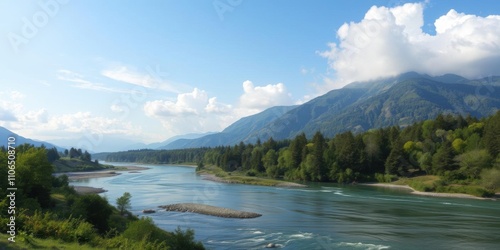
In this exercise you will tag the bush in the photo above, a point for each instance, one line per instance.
(46, 225)
(251, 173)
(385, 177)
(94, 209)
(144, 229)
(152, 237)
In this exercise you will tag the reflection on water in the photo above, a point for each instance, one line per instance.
(324, 216)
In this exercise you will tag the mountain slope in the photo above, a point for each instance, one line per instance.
(406, 103)
(236, 132)
(360, 106)
(5, 133)
(399, 100)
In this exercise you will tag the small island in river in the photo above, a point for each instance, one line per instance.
(210, 210)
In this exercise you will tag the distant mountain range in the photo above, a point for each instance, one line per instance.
(5, 133)
(360, 106)
(241, 130)
(113, 143)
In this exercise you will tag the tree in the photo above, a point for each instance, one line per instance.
(394, 162)
(52, 155)
(492, 135)
(34, 175)
(318, 168)
(296, 148)
(442, 160)
(473, 162)
(85, 156)
(123, 202)
(94, 209)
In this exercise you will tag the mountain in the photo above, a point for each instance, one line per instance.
(100, 143)
(360, 106)
(239, 131)
(158, 145)
(399, 100)
(5, 133)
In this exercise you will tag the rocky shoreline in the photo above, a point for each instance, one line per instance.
(210, 210)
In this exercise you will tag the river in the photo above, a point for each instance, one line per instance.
(321, 216)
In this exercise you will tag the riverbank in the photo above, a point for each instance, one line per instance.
(88, 190)
(432, 194)
(210, 210)
(101, 173)
(97, 174)
(214, 173)
(250, 181)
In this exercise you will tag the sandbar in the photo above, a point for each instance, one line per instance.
(432, 194)
(210, 210)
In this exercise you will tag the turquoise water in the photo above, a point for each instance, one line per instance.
(323, 216)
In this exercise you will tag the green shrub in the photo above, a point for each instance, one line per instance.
(251, 173)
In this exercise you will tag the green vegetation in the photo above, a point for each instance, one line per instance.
(248, 177)
(49, 214)
(462, 152)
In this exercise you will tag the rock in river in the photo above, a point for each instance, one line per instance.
(210, 210)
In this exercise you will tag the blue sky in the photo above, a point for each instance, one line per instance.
(149, 70)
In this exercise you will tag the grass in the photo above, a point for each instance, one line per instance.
(240, 177)
(433, 183)
(73, 165)
(24, 241)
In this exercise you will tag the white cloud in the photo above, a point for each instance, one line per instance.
(80, 82)
(153, 79)
(192, 103)
(390, 41)
(190, 112)
(262, 97)
(40, 116)
(116, 108)
(197, 112)
(215, 107)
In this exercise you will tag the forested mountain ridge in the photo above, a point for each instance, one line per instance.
(360, 106)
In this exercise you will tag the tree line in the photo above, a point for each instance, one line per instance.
(456, 148)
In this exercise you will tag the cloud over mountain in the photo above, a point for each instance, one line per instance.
(390, 41)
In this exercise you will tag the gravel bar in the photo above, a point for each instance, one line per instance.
(210, 210)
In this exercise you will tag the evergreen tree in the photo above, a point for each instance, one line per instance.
(492, 135)
(442, 160)
(296, 147)
(318, 171)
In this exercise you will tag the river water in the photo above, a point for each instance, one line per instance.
(321, 216)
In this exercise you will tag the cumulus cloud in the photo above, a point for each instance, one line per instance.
(190, 112)
(390, 41)
(197, 112)
(192, 103)
(261, 97)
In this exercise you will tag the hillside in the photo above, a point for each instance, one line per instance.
(241, 130)
(74, 165)
(5, 133)
(361, 106)
(398, 101)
